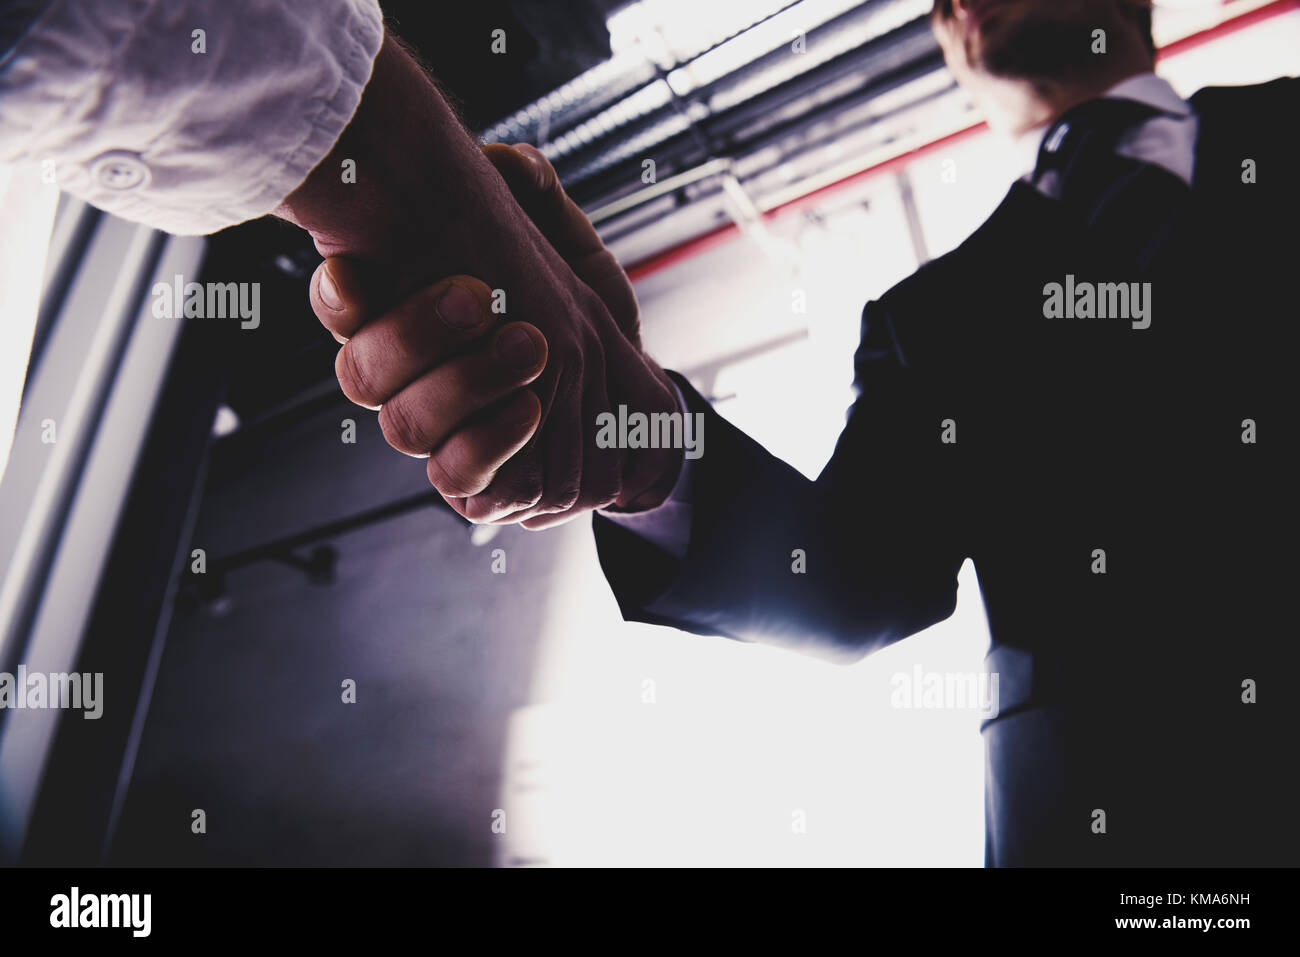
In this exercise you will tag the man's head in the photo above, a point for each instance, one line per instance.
(1026, 58)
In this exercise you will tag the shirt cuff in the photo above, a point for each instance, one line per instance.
(185, 115)
(668, 525)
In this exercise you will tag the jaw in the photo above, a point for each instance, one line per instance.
(1013, 107)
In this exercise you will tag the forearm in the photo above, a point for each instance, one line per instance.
(833, 569)
(654, 474)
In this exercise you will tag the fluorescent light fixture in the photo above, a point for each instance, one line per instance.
(673, 31)
(621, 71)
(778, 31)
(29, 205)
(819, 46)
(641, 103)
(741, 50)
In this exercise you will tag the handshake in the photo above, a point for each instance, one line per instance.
(502, 384)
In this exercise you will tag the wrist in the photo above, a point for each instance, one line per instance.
(405, 187)
(668, 469)
(654, 473)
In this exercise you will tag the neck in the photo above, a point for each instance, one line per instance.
(1018, 106)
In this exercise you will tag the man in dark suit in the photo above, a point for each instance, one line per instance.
(1089, 398)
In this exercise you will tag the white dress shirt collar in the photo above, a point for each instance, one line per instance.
(1145, 88)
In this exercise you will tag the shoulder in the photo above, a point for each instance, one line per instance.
(1021, 212)
(935, 294)
(1281, 94)
(1255, 121)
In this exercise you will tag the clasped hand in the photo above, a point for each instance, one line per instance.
(505, 405)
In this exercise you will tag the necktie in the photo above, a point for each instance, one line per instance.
(1130, 208)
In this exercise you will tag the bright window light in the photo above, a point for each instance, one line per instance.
(29, 206)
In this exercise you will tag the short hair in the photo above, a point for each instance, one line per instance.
(1144, 25)
(943, 9)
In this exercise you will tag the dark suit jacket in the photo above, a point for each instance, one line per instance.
(1121, 691)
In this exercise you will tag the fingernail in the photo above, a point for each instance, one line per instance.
(457, 308)
(329, 292)
(516, 347)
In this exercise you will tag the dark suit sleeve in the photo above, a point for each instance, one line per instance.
(878, 531)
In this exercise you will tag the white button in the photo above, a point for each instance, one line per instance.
(119, 171)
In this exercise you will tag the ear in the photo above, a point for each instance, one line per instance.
(942, 30)
(938, 12)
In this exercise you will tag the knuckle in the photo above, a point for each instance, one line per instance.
(606, 487)
(569, 375)
(481, 507)
(518, 484)
(402, 430)
(354, 378)
(564, 497)
(449, 479)
(511, 498)
(518, 493)
(526, 492)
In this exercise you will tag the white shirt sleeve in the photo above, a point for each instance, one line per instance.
(186, 115)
